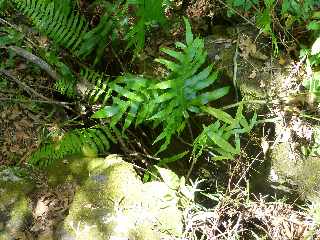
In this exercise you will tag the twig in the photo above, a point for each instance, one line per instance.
(227, 6)
(36, 101)
(31, 91)
(23, 85)
(194, 160)
(7, 23)
(36, 60)
(235, 67)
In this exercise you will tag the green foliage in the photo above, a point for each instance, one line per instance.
(95, 40)
(98, 85)
(222, 138)
(10, 36)
(313, 149)
(266, 12)
(55, 19)
(298, 9)
(313, 57)
(86, 141)
(166, 103)
(313, 84)
(132, 93)
(3, 4)
(66, 84)
(314, 26)
(244, 5)
(148, 13)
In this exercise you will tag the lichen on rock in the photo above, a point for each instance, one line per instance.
(113, 203)
(15, 210)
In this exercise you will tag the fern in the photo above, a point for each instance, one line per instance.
(138, 103)
(96, 39)
(56, 21)
(166, 103)
(96, 140)
(66, 84)
(219, 136)
(148, 13)
(98, 84)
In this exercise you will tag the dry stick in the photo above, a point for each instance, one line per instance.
(36, 101)
(7, 23)
(36, 60)
(235, 67)
(23, 85)
(31, 91)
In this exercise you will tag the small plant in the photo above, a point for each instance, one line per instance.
(218, 137)
(89, 142)
(148, 13)
(169, 102)
(312, 83)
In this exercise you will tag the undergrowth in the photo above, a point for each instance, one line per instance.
(111, 106)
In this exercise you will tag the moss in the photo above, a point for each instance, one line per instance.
(308, 178)
(113, 201)
(285, 161)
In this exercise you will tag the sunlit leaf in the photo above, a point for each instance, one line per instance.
(169, 177)
(315, 49)
(105, 112)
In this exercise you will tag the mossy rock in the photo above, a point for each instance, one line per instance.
(15, 209)
(253, 63)
(290, 168)
(112, 202)
(308, 178)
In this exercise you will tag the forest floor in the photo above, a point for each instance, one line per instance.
(240, 199)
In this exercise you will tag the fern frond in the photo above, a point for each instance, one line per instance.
(222, 137)
(66, 84)
(148, 12)
(97, 139)
(64, 27)
(166, 103)
(184, 89)
(98, 89)
(96, 39)
(132, 95)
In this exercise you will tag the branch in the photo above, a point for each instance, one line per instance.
(23, 85)
(36, 60)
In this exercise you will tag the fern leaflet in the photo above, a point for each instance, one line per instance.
(219, 136)
(148, 12)
(96, 139)
(64, 27)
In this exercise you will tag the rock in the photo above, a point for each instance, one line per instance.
(253, 66)
(15, 209)
(289, 167)
(113, 203)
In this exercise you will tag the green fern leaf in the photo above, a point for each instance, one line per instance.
(148, 12)
(61, 25)
(167, 102)
(96, 138)
(98, 82)
(223, 139)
